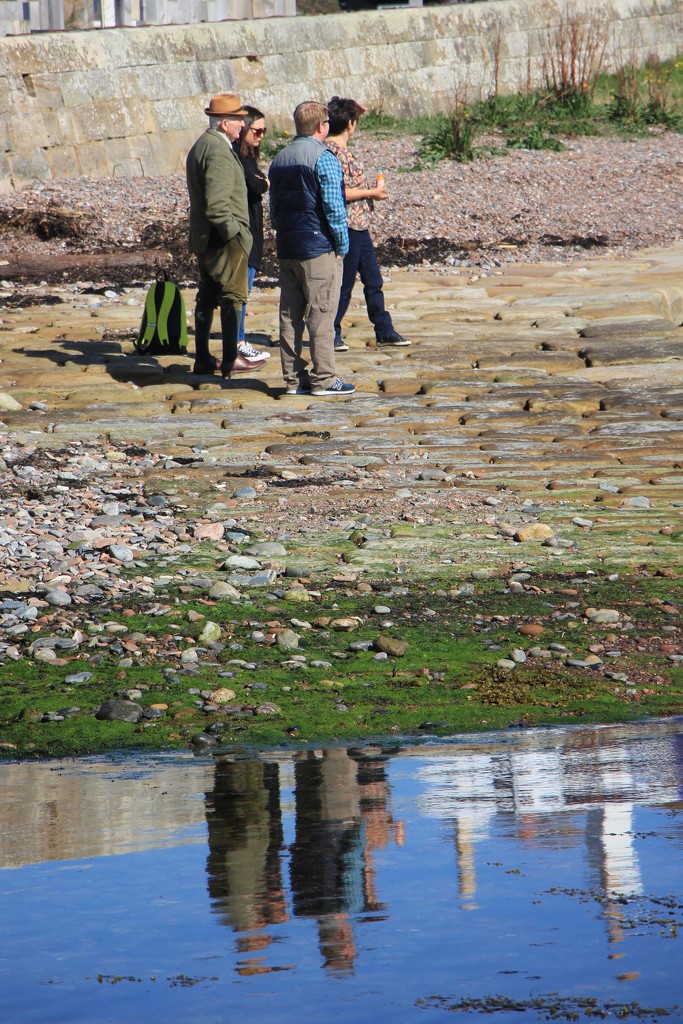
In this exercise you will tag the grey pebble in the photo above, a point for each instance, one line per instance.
(267, 549)
(119, 711)
(121, 552)
(203, 739)
(638, 501)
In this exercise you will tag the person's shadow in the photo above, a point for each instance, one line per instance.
(141, 368)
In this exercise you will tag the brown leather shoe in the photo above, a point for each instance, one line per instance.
(241, 365)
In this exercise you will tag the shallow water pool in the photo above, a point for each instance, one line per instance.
(532, 875)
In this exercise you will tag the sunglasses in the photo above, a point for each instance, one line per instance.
(258, 131)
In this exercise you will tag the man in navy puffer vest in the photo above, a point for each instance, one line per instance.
(308, 212)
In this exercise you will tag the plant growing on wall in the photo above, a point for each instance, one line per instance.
(573, 53)
(452, 136)
(642, 97)
(661, 105)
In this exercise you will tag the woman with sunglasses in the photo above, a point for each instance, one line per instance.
(247, 147)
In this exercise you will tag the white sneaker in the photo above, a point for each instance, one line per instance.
(250, 353)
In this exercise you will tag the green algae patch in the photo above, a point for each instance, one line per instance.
(355, 660)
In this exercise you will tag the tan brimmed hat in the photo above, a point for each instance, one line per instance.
(225, 104)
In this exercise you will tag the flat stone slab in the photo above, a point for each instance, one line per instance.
(625, 327)
(482, 401)
(621, 352)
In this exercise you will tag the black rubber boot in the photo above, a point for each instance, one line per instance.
(203, 360)
(230, 323)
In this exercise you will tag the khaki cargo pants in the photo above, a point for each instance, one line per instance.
(309, 295)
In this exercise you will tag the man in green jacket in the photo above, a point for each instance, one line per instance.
(219, 234)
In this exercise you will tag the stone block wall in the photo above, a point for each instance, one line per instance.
(129, 102)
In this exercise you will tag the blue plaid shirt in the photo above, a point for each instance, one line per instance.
(331, 181)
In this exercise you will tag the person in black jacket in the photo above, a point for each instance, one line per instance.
(247, 148)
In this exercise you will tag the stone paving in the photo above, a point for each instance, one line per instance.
(560, 385)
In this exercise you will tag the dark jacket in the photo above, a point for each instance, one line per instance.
(257, 186)
(302, 231)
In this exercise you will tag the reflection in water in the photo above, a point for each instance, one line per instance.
(482, 862)
(245, 840)
(327, 855)
(342, 815)
(541, 789)
(94, 808)
(537, 785)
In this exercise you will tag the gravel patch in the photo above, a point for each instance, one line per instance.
(609, 196)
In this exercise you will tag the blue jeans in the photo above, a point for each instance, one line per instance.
(362, 259)
(251, 272)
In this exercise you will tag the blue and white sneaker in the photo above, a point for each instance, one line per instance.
(250, 353)
(302, 388)
(337, 387)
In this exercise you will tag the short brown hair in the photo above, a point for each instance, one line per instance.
(308, 116)
(341, 110)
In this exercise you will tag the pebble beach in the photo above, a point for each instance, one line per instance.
(606, 196)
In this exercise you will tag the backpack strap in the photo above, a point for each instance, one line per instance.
(165, 305)
(183, 339)
(151, 318)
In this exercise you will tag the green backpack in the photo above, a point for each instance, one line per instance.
(163, 330)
